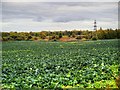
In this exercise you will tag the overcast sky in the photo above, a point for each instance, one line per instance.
(38, 16)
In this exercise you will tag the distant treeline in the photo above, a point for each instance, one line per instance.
(57, 35)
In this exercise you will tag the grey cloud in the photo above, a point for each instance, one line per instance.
(39, 19)
(35, 11)
(39, 12)
(70, 17)
(84, 4)
(60, 1)
(101, 14)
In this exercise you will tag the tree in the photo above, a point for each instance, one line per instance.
(42, 35)
(60, 35)
(13, 35)
(29, 37)
(73, 35)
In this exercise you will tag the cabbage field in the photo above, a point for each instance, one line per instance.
(57, 65)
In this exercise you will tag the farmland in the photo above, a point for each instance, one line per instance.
(87, 64)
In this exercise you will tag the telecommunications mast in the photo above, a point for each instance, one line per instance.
(95, 25)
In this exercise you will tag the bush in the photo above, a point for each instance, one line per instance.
(7, 39)
(84, 39)
(78, 37)
(94, 38)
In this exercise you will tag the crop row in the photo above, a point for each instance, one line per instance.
(29, 64)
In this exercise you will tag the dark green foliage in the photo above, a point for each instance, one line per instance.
(94, 38)
(52, 65)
